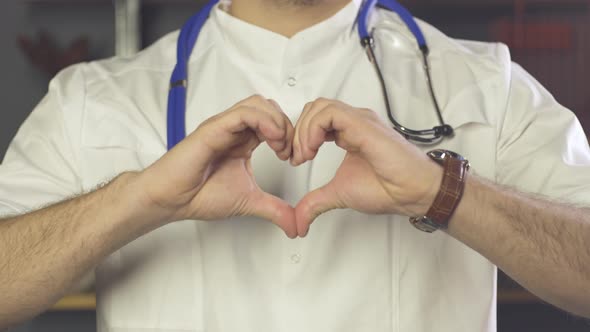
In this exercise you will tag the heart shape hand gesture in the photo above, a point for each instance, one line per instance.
(208, 176)
(382, 173)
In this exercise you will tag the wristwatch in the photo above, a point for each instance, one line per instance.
(450, 193)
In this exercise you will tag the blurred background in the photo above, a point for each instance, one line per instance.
(550, 38)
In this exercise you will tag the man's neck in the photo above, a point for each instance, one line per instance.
(285, 17)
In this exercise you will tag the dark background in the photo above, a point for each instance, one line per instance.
(550, 38)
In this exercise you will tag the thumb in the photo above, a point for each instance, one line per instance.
(275, 210)
(313, 205)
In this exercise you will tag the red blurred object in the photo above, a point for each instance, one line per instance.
(530, 34)
(46, 55)
(534, 36)
(554, 47)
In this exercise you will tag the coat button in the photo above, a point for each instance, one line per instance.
(295, 258)
(292, 81)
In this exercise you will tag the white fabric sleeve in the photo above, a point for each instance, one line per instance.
(40, 166)
(542, 147)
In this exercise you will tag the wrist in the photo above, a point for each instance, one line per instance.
(476, 190)
(141, 211)
(432, 181)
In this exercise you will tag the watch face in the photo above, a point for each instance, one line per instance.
(440, 155)
(425, 224)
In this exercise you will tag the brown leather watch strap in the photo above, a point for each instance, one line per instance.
(450, 193)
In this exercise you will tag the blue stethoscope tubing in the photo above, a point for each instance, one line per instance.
(189, 34)
(395, 7)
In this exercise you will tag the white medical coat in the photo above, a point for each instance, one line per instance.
(354, 272)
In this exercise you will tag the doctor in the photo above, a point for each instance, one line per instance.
(288, 122)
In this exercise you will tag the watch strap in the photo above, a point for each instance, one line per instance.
(455, 170)
(450, 193)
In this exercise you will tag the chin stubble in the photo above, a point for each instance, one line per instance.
(296, 3)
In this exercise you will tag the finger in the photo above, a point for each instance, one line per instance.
(317, 106)
(296, 157)
(282, 146)
(290, 132)
(266, 106)
(312, 206)
(338, 124)
(249, 118)
(224, 132)
(275, 210)
(278, 143)
(301, 154)
(245, 144)
(322, 132)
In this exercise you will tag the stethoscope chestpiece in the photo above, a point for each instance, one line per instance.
(444, 131)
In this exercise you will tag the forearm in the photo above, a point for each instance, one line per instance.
(44, 253)
(545, 246)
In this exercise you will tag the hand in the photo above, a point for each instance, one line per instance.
(208, 176)
(382, 173)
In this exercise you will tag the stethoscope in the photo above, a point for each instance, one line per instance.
(192, 28)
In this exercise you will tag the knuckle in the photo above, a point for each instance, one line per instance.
(275, 105)
(369, 114)
(323, 101)
(207, 121)
(334, 109)
(256, 98)
(212, 120)
(308, 209)
(374, 115)
(241, 110)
